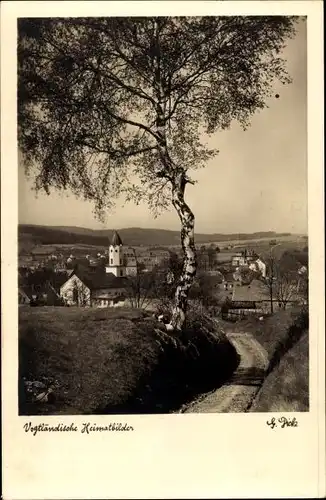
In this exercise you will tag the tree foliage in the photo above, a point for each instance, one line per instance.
(245, 275)
(205, 290)
(121, 106)
(88, 104)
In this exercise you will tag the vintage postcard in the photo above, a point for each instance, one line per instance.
(163, 250)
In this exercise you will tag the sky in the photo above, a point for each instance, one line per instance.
(258, 181)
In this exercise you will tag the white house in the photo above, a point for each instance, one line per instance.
(302, 271)
(75, 292)
(239, 260)
(258, 265)
(95, 288)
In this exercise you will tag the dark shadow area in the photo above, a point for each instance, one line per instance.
(182, 373)
(247, 376)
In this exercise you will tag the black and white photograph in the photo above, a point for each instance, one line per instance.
(163, 251)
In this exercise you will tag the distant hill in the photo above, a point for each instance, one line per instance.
(49, 235)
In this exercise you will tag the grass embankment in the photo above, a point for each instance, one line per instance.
(285, 338)
(117, 361)
(286, 388)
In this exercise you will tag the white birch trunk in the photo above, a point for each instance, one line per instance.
(178, 178)
(188, 245)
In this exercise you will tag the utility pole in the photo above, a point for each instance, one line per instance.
(271, 278)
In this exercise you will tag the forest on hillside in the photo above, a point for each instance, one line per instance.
(47, 235)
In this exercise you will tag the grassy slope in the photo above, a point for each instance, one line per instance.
(286, 388)
(89, 352)
(112, 361)
(285, 338)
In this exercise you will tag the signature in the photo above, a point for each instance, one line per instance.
(282, 422)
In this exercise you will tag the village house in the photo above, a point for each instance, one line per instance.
(94, 289)
(58, 267)
(251, 298)
(303, 271)
(130, 261)
(116, 259)
(247, 300)
(42, 294)
(225, 285)
(228, 281)
(152, 258)
(244, 258)
(254, 299)
(238, 260)
(258, 266)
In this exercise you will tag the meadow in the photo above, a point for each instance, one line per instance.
(116, 361)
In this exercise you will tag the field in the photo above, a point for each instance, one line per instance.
(115, 361)
(260, 245)
(31, 235)
(263, 240)
(262, 248)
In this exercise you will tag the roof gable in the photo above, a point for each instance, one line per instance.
(98, 279)
(255, 292)
(116, 240)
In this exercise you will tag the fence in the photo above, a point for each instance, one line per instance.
(236, 314)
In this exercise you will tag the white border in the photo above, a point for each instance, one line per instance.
(174, 456)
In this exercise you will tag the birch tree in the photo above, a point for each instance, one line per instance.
(111, 107)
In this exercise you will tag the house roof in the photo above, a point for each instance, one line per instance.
(58, 279)
(30, 290)
(228, 276)
(25, 290)
(254, 292)
(98, 279)
(116, 240)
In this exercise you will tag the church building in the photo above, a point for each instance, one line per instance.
(119, 264)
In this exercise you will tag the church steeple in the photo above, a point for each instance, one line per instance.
(116, 259)
(116, 240)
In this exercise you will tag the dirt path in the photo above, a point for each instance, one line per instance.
(236, 395)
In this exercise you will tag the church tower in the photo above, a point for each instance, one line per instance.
(116, 264)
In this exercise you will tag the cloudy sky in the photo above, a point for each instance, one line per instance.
(258, 182)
